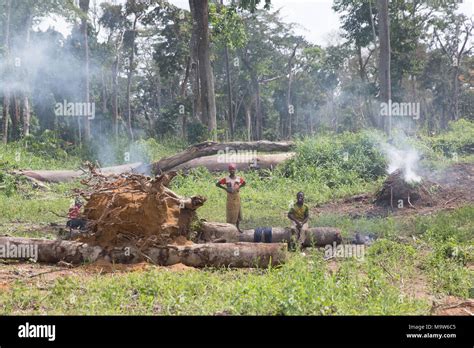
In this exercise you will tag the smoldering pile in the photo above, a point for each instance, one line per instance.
(397, 192)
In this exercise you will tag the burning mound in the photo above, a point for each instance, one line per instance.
(135, 209)
(395, 189)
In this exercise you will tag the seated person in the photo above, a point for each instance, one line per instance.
(299, 215)
(75, 221)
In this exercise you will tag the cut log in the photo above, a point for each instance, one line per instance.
(213, 148)
(317, 236)
(196, 255)
(276, 235)
(214, 231)
(215, 164)
(238, 255)
(322, 236)
(48, 251)
(57, 176)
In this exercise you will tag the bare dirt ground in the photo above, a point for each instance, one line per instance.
(42, 276)
(452, 305)
(451, 188)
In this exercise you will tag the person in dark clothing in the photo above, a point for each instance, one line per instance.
(76, 222)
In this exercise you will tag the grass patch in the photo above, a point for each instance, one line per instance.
(301, 287)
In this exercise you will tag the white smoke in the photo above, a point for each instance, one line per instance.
(406, 159)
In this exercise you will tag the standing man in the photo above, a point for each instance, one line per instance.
(299, 215)
(232, 185)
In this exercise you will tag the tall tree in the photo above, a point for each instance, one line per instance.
(6, 91)
(200, 15)
(114, 20)
(84, 6)
(384, 58)
(137, 9)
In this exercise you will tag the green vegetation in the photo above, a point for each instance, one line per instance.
(44, 151)
(302, 286)
(337, 159)
(435, 251)
(459, 139)
(305, 285)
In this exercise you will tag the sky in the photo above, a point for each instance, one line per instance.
(316, 20)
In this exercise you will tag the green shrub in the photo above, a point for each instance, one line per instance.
(336, 159)
(459, 139)
(455, 226)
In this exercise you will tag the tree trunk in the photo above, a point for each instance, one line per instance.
(84, 6)
(223, 232)
(104, 99)
(26, 115)
(115, 72)
(214, 164)
(248, 122)
(200, 13)
(183, 95)
(6, 90)
(129, 78)
(265, 161)
(15, 116)
(258, 111)
(384, 60)
(6, 113)
(290, 108)
(195, 83)
(49, 251)
(212, 148)
(196, 255)
(57, 176)
(314, 236)
(229, 94)
(181, 160)
(115, 115)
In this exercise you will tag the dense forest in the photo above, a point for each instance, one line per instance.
(232, 70)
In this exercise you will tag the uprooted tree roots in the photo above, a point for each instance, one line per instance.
(137, 210)
(395, 189)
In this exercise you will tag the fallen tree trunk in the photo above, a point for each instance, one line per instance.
(184, 160)
(314, 236)
(212, 232)
(196, 255)
(48, 251)
(214, 163)
(213, 148)
(223, 232)
(210, 255)
(57, 176)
